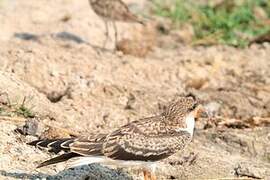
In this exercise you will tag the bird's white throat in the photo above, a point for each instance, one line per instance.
(190, 124)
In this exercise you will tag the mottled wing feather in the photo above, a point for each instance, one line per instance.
(114, 10)
(138, 141)
(90, 145)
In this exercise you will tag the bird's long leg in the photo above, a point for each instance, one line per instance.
(115, 33)
(148, 175)
(106, 33)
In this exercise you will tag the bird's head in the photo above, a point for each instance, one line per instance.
(182, 109)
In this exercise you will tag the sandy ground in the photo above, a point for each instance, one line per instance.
(49, 56)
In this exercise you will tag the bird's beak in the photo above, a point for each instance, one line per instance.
(201, 112)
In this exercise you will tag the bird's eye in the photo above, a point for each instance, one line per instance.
(193, 107)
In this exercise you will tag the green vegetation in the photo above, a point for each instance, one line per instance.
(229, 22)
(24, 111)
(16, 110)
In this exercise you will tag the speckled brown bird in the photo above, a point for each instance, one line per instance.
(113, 10)
(139, 143)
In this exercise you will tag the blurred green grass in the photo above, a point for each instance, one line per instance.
(231, 22)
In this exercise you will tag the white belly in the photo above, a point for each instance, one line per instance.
(80, 161)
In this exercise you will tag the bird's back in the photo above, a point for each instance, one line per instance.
(144, 140)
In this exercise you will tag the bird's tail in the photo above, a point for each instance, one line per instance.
(129, 17)
(55, 145)
(140, 21)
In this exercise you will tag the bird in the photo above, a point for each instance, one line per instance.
(142, 142)
(111, 11)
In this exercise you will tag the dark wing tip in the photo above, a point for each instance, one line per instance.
(33, 143)
(58, 159)
(45, 163)
(142, 22)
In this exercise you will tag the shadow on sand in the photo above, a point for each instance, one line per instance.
(89, 172)
(63, 36)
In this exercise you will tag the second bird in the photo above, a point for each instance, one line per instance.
(113, 10)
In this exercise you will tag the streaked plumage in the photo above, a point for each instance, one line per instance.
(146, 140)
(113, 10)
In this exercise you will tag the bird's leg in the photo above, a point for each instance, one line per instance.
(192, 158)
(115, 33)
(106, 33)
(148, 175)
